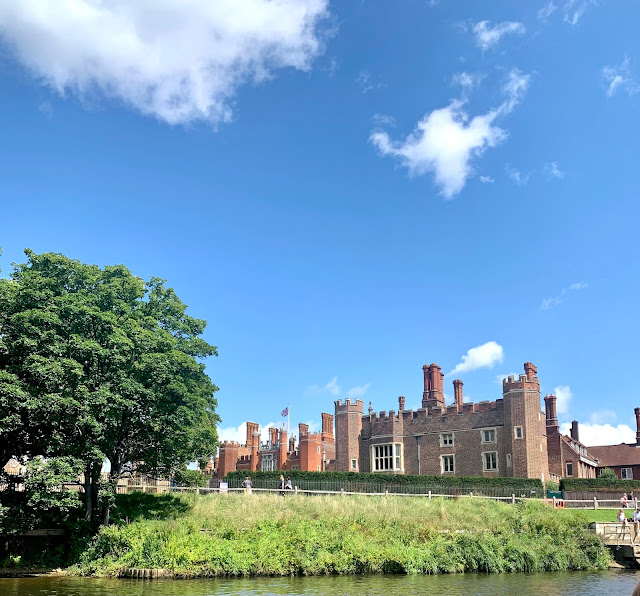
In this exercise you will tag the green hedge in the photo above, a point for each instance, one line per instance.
(601, 484)
(359, 482)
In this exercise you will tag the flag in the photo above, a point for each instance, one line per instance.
(285, 412)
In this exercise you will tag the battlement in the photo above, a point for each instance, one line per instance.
(529, 380)
(228, 444)
(349, 406)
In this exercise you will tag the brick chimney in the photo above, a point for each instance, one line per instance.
(273, 436)
(530, 370)
(574, 431)
(457, 393)
(550, 410)
(401, 403)
(637, 411)
(303, 429)
(327, 425)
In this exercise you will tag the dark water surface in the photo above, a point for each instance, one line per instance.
(606, 583)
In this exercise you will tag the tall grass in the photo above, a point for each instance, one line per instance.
(242, 535)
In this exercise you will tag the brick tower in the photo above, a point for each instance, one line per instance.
(524, 427)
(433, 395)
(348, 418)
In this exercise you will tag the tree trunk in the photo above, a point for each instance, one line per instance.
(88, 496)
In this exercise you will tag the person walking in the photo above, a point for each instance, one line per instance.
(636, 523)
(288, 485)
(282, 485)
(246, 484)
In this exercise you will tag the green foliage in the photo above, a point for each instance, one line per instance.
(47, 500)
(599, 484)
(97, 363)
(241, 535)
(608, 473)
(138, 506)
(360, 482)
(190, 478)
(552, 486)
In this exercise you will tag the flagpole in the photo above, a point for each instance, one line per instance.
(287, 420)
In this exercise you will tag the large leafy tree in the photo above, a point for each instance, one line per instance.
(99, 364)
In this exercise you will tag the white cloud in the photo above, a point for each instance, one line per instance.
(446, 139)
(486, 179)
(546, 11)
(484, 356)
(549, 303)
(574, 9)
(332, 386)
(487, 35)
(563, 395)
(358, 391)
(553, 169)
(601, 434)
(178, 61)
(239, 433)
(619, 77)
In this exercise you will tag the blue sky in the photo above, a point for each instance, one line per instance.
(346, 191)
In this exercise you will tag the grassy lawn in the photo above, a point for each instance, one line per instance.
(270, 535)
(597, 515)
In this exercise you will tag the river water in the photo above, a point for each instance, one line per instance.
(606, 583)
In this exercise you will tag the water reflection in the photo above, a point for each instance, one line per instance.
(609, 583)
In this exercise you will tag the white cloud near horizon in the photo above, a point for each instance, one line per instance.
(485, 356)
(601, 434)
(619, 77)
(177, 61)
(546, 11)
(488, 35)
(549, 303)
(445, 140)
(563, 399)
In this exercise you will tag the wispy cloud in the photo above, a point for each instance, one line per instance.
(384, 120)
(484, 356)
(446, 140)
(184, 64)
(553, 170)
(574, 9)
(488, 35)
(549, 303)
(517, 176)
(467, 80)
(620, 77)
(358, 391)
(486, 179)
(331, 387)
(363, 80)
(546, 11)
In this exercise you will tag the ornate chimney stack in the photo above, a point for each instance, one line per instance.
(457, 393)
(637, 411)
(550, 410)
(401, 400)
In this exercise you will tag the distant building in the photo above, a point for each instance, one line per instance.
(568, 457)
(313, 452)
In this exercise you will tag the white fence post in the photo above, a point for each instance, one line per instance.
(513, 499)
(595, 503)
(429, 495)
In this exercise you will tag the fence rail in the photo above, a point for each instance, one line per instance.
(298, 491)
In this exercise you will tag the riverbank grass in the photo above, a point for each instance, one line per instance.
(251, 535)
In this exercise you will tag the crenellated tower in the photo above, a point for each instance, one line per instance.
(348, 420)
(525, 427)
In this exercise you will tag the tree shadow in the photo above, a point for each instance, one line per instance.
(139, 505)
